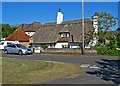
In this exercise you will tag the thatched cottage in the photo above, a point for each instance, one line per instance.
(61, 34)
(67, 34)
(54, 35)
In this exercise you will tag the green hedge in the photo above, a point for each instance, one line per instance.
(44, 46)
(107, 50)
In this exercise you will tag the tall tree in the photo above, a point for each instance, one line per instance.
(118, 37)
(7, 30)
(105, 22)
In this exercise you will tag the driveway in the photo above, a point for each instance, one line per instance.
(89, 63)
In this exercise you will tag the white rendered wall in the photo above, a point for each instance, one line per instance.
(30, 33)
(59, 45)
(72, 45)
(59, 18)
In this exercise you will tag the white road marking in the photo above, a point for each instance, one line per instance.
(85, 65)
(89, 66)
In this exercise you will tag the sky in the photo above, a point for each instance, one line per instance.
(16, 13)
(60, 0)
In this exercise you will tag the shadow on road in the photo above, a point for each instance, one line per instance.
(108, 70)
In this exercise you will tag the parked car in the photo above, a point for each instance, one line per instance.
(17, 48)
(5, 43)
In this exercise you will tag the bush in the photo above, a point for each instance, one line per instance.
(107, 50)
(29, 46)
(44, 46)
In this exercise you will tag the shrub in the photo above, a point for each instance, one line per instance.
(107, 50)
(44, 46)
(29, 46)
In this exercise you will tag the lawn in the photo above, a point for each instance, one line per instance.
(17, 71)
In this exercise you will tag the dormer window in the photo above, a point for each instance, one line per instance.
(64, 34)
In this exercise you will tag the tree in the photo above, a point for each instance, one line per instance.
(118, 29)
(118, 37)
(7, 30)
(105, 22)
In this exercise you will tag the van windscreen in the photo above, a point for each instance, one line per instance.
(1, 43)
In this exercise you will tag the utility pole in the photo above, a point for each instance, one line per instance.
(82, 26)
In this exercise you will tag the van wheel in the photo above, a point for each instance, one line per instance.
(20, 52)
(5, 51)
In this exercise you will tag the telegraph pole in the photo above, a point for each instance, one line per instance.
(82, 26)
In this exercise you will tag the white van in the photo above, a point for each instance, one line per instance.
(5, 43)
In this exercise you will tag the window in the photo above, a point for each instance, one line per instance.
(65, 46)
(1, 43)
(12, 46)
(9, 43)
(20, 46)
(50, 45)
(64, 34)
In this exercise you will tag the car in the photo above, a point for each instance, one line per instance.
(18, 49)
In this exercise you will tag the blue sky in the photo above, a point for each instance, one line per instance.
(15, 13)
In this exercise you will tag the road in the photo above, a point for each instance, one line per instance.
(87, 62)
(76, 59)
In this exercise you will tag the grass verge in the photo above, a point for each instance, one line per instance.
(17, 71)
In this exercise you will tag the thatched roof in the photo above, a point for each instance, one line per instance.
(30, 27)
(65, 28)
(23, 26)
(51, 23)
(18, 35)
(50, 33)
